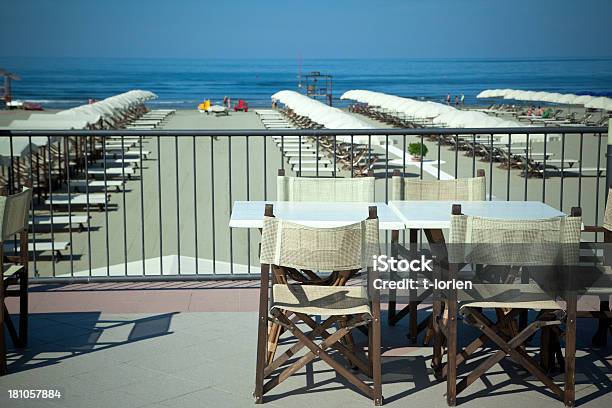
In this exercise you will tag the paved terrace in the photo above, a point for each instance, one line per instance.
(193, 345)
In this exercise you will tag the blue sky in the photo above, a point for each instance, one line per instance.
(312, 29)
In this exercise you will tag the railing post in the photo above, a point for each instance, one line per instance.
(609, 161)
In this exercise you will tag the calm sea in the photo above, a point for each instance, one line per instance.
(63, 83)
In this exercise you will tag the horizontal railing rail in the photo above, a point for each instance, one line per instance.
(150, 205)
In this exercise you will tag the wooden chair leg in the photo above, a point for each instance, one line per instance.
(3, 369)
(600, 339)
(392, 318)
(23, 310)
(451, 378)
(262, 332)
(570, 351)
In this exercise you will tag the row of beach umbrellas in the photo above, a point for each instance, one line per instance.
(327, 116)
(438, 114)
(594, 102)
(110, 110)
(332, 118)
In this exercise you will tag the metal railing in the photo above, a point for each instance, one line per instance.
(169, 218)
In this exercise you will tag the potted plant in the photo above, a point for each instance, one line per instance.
(417, 151)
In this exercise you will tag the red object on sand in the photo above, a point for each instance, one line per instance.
(241, 106)
(32, 106)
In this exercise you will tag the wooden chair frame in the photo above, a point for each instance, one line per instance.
(267, 365)
(509, 342)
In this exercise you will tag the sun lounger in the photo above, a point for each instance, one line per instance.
(63, 199)
(59, 220)
(117, 153)
(312, 169)
(111, 171)
(322, 162)
(309, 153)
(40, 246)
(81, 185)
(120, 161)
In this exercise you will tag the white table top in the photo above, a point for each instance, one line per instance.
(249, 214)
(436, 214)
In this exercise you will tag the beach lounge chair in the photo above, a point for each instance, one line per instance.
(359, 189)
(547, 243)
(409, 189)
(40, 246)
(93, 199)
(59, 221)
(111, 171)
(344, 251)
(14, 221)
(81, 185)
(241, 106)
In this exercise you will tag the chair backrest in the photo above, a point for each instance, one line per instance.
(359, 189)
(293, 245)
(14, 213)
(607, 221)
(548, 241)
(468, 189)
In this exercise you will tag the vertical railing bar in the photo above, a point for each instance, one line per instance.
(142, 218)
(32, 208)
(474, 155)
(508, 172)
(352, 156)
(317, 155)
(580, 170)
(527, 151)
(212, 204)
(334, 154)
(562, 170)
(282, 156)
(11, 175)
(50, 185)
(300, 156)
(544, 172)
(421, 166)
(231, 231)
(387, 169)
(87, 156)
(159, 207)
(248, 197)
(439, 154)
(178, 203)
(106, 209)
(125, 255)
(491, 167)
(67, 158)
(195, 203)
(597, 183)
(456, 156)
(265, 167)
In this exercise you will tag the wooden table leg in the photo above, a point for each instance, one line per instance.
(391, 317)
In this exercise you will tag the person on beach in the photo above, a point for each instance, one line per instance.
(462, 99)
(456, 100)
(448, 98)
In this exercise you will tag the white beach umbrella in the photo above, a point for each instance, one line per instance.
(552, 97)
(567, 99)
(582, 99)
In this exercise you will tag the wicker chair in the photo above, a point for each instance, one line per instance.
(14, 216)
(604, 316)
(470, 189)
(359, 189)
(549, 245)
(343, 251)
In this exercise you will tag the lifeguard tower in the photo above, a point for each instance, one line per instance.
(6, 94)
(319, 86)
